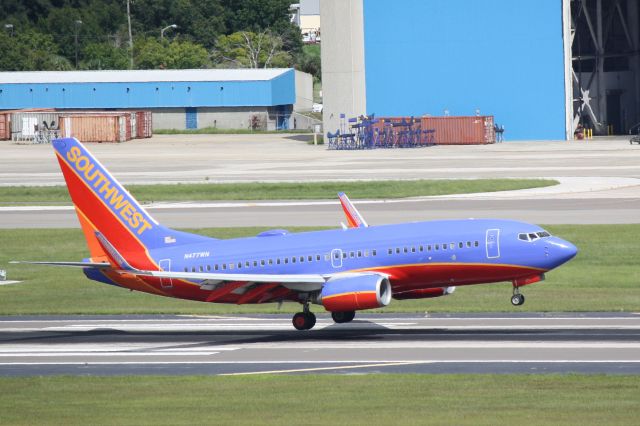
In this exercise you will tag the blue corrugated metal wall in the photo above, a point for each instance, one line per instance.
(279, 91)
(503, 57)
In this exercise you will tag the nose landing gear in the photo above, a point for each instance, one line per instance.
(304, 320)
(517, 299)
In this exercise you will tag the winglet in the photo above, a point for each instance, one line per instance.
(354, 218)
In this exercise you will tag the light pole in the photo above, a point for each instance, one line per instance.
(174, 26)
(78, 23)
(9, 27)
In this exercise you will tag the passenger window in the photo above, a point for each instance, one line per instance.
(224, 266)
(318, 257)
(310, 258)
(186, 269)
(366, 253)
(452, 246)
(429, 247)
(374, 253)
(215, 267)
(397, 250)
(293, 259)
(327, 257)
(476, 244)
(247, 264)
(286, 260)
(270, 261)
(344, 254)
(277, 261)
(413, 249)
(444, 247)
(352, 254)
(359, 253)
(437, 246)
(301, 259)
(262, 262)
(390, 251)
(421, 248)
(239, 265)
(468, 244)
(460, 245)
(193, 269)
(406, 250)
(231, 266)
(255, 263)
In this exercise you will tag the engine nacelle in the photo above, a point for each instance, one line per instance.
(424, 293)
(344, 294)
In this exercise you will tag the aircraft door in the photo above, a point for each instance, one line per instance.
(165, 265)
(493, 243)
(336, 258)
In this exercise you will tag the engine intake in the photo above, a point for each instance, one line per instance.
(343, 294)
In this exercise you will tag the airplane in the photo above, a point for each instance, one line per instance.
(344, 270)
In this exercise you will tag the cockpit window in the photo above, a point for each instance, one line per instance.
(533, 236)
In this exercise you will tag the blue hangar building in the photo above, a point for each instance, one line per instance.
(179, 99)
(542, 68)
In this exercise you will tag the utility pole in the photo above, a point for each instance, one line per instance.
(78, 23)
(130, 36)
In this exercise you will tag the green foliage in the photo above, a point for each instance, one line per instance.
(309, 61)
(104, 56)
(30, 51)
(151, 53)
(45, 32)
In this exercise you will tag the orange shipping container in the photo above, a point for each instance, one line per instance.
(5, 126)
(461, 130)
(144, 121)
(95, 128)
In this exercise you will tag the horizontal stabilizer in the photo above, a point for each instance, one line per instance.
(68, 264)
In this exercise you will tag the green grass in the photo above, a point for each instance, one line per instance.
(217, 131)
(603, 277)
(322, 400)
(14, 195)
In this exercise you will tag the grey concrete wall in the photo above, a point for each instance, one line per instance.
(223, 118)
(343, 67)
(304, 92)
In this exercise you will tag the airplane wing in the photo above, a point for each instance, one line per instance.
(354, 217)
(256, 278)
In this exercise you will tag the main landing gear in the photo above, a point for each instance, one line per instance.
(517, 299)
(342, 317)
(304, 320)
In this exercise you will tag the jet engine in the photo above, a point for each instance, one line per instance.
(353, 293)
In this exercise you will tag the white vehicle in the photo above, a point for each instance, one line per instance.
(316, 108)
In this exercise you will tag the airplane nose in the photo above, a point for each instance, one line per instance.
(561, 251)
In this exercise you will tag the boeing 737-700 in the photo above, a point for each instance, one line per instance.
(345, 270)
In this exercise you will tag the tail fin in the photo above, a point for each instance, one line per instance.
(104, 206)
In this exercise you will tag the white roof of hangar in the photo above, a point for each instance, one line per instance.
(141, 76)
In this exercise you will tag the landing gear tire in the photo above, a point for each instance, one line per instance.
(304, 320)
(342, 317)
(517, 299)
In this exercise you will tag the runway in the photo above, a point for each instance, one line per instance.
(329, 213)
(373, 343)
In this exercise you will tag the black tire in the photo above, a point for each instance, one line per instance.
(311, 320)
(342, 317)
(300, 321)
(517, 299)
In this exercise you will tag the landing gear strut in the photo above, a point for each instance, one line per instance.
(517, 299)
(304, 320)
(342, 317)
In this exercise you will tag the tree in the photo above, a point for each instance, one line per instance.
(104, 56)
(252, 50)
(150, 53)
(30, 51)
